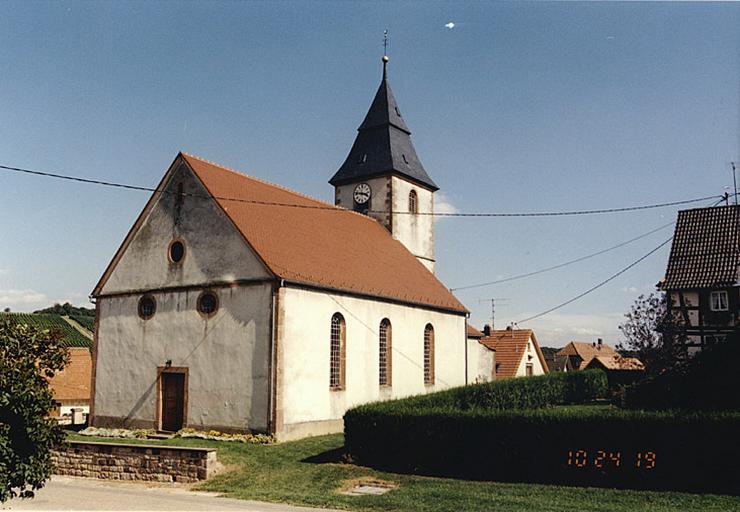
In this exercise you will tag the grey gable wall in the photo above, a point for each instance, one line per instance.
(226, 355)
(216, 251)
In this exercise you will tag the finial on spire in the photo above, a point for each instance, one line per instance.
(385, 53)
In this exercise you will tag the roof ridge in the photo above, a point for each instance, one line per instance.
(271, 184)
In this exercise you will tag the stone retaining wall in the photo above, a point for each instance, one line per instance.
(134, 462)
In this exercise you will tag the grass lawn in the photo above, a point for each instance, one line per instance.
(280, 473)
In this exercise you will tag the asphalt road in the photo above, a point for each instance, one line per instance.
(69, 493)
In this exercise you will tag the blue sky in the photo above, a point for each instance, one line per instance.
(519, 107)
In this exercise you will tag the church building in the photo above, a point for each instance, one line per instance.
(238, 305)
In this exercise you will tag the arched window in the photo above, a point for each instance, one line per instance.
(385, 341)
(413, 203)
(337, 355)
(429, 354)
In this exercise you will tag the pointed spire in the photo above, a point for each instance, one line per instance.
(383, 144)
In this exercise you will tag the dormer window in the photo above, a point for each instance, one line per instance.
(718, 301)
(362, 159)
(405, 160)
(398, 112)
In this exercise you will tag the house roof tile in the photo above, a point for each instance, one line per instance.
(616, 362)
(510, 346)
(586, 351)
(706, 249)
(73, 383)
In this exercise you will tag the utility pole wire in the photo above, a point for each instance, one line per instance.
(602, 283)
(561, 265)
(335, 208)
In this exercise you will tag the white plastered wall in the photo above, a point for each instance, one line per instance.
(226, 355)
(530, 357)
(416, 232)
(480, 362)
(305, 355)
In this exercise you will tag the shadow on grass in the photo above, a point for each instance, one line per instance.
(335, 456)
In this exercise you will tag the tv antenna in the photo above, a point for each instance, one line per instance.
(493, 302)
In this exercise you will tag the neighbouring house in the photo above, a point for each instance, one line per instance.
(556, 363)
(71, 386)
(518, 353)
(238, 305)
(701, 279)
(579, 353)
(481, 358)
(619, 370)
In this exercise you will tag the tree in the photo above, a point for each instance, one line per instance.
(28, 358)
(6, 310)
(653, 334)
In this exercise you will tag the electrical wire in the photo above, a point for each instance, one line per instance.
(561, 265)
(593, 288)
(334, 208)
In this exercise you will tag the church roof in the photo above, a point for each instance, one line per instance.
(383, 145)
(706, 249)
(319, 244)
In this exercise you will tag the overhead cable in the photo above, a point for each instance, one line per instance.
(561, 265)
(602, 283)
(334, 208)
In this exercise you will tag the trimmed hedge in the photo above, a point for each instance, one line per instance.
(528, 393)
(512, 431)
(695, 452)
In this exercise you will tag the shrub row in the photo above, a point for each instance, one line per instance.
(530, 393)
(596, 446)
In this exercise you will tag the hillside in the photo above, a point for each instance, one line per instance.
(71, 336)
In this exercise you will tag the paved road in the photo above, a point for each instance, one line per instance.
(69, 493)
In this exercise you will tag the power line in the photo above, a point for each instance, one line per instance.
(333, 208)
(561, 265)
(602, 283)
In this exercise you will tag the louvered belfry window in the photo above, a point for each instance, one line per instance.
(429, 354)
(413, 207)
(337, 356)
(385, 347)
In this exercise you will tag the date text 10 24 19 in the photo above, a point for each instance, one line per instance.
(611, 459)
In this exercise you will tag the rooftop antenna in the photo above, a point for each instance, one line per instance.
(734, 179)
(493, 308)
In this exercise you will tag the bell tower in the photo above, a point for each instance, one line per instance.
(383, 177)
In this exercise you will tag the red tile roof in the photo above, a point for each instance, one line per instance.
(510, 347)
(321, 244)
(472, 332)
(616, 362)
(586, 351)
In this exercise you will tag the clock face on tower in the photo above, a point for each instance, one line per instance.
(362, 193)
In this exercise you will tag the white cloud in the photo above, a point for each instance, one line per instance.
(556, 330)
(450, 25)
(22, 299)
(443, 205)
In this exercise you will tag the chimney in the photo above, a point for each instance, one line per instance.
(599, 343)
(487, 330)
(509, 328)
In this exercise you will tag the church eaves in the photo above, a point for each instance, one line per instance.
(383, 144)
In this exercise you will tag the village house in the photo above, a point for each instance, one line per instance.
(518, 353)
(481, 358)
(579, 353)
(238, 305)
(619, 370)
(702, 277)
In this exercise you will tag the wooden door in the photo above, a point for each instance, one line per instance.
(173, 401)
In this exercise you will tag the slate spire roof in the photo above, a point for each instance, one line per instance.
(383, 144)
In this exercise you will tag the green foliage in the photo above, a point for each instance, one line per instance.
(708, 381)
(86, 321)
(67, 309)
(67, 335)
(28, 356)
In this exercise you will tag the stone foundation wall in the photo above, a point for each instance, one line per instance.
(134, 462)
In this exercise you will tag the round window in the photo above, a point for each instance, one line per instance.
(147, 307)
(208, 303)
(177, 251)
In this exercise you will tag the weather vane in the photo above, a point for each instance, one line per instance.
(385, 42)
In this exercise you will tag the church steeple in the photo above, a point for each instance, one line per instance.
(383, 144)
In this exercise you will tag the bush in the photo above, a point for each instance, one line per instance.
(707, 382)
(605, 446)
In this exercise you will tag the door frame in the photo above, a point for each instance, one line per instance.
(158, 411)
